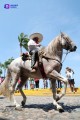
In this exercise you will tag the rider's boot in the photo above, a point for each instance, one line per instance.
(35, 67)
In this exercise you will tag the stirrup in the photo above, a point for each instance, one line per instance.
(34, 69)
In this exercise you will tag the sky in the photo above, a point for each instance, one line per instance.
(48, 17)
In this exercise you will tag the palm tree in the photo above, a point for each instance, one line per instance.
(6, 63)
(4, 67)
(0, 69)
(0, 72)
(10, 60)
(23, 39)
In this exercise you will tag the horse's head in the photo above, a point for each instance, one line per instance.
(67, 43)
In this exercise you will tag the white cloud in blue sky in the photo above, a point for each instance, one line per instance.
(45, 16)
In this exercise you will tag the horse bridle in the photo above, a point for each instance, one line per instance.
(69, 43)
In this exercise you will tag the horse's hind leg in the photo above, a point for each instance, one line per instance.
(15, 78)
(22, 83)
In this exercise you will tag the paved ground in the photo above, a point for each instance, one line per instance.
(41, 108)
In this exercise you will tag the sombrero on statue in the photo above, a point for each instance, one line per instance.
(40, 36)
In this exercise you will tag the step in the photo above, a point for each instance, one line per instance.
(45, 92)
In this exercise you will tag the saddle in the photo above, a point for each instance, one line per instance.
(26, 56)
(41, 54)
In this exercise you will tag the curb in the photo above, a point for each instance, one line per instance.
(46, 92)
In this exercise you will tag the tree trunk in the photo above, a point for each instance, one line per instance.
(20, 50)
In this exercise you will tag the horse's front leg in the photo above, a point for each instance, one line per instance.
(53, 83)
(24, 97)
(58, 76)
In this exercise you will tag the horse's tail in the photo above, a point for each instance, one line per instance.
(5, 85)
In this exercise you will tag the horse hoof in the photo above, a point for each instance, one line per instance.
(18, 108)
(61, 110)
(57, 98)
(22, 103)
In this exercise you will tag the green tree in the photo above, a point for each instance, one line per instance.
(6, 63)
(9, 60)
(0, 69)
(0, 72)
(23, 40)
(4, 67)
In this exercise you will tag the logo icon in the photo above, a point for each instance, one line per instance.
(7, 6)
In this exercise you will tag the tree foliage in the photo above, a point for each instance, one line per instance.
(0, 71)
(23, 40)
(4, 65)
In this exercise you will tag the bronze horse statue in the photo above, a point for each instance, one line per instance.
(52, 64)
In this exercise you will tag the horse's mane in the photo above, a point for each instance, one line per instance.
(52, 46)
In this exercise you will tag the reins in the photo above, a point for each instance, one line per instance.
(65, 56)
(46, 57)
(61, 62)
(56, 59)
